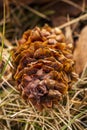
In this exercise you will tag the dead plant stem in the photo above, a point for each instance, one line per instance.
(84, 16)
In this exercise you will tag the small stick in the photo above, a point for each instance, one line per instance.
(73, 21)
(72, 3)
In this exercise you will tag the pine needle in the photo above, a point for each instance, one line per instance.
(3, 32)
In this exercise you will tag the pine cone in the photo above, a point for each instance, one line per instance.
(44, 66)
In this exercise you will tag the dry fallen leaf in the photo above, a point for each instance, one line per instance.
(80, 53)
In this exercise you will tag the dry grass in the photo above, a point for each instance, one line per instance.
(70, 114)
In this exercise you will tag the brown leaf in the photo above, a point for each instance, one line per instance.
(80, 53)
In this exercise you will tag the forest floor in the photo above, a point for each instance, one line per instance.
(17, 17)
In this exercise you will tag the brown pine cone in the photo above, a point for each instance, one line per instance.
(44, 66)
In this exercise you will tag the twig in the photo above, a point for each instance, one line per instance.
(68, 32)
(72, 3)
(12, 87)
(78, 102)
(73, 21)
(38, 13)
(84, 5)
